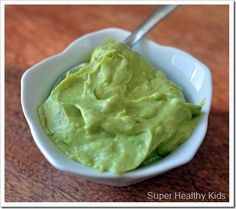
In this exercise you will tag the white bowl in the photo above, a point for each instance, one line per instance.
(180, 67)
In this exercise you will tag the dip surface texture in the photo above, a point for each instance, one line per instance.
(117, 112)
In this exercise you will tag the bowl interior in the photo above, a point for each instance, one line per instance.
(180, 67)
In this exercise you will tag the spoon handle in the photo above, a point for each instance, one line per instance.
(160, 13)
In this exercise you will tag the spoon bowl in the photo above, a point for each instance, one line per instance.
(193, 76)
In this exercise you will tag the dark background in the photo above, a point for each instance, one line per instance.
(36, 32)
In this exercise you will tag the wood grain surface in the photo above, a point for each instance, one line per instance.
(36, 32)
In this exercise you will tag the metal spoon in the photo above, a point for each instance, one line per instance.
(159, 14)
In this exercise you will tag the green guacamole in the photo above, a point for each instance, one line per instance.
(117, 112)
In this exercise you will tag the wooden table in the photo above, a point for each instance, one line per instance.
(36, 32)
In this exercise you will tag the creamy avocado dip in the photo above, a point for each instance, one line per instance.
(117, 112)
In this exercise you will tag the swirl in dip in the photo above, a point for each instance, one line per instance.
(117, 112)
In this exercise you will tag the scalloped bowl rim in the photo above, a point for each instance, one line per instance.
(145, 172)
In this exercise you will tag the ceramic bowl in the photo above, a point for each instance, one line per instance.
(193, 76)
